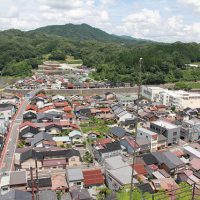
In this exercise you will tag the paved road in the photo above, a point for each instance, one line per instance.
(7, 157)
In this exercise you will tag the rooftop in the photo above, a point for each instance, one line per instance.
(164, 124)
(147, 131)
(74, 174)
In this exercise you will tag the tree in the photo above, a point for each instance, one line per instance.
(88, 157)
(182, 86)
(173, 108)
(17, 69)
(103, 193)
(57, 55)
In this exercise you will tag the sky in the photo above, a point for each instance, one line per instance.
(159, 20)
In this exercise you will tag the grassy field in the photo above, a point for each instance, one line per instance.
(72, 60)
(96, 125)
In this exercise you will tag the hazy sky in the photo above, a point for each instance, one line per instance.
(160, 20)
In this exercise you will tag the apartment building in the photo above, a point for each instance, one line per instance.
(180, 99)
(151, 93)
(190, 130)
(151, 136)
(169, 130)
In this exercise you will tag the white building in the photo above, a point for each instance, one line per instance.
(179, 98)
(150, 136)
(151, 93)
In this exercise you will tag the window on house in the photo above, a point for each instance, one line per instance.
(147, 136)
(140, 133)
(174, 133)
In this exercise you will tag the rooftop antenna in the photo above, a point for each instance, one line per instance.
(136, 126)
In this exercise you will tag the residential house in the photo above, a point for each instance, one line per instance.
(62, 140)
(126, 100)
(14, 180)
(59, 183)
(18, 180)
(169, 130)
(29, 115)
(76, 136)
(7, 110)
(169, 162)
(107, 150)
(109, 96)
(192, 152)
(25, 158)
(16, 195)
(195, 164)
(165, 184)
(146, 188)
(118, 132)
(44, 182)
(93, 177)
(144, 145)
(47, 194)
(75, 177)
(149, 135)
(28, 131)
(190, 130)
(93, 135)
(118, 173)
(129, 144)
(162, 142)
(128, 124)
(80, 194)
(53, 129)
(42, 139)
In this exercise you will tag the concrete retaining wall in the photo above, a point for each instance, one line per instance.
(83, 92)
(66, 92)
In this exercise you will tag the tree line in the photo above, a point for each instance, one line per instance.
(113, 61)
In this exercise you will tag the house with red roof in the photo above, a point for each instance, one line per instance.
(93, 177)
(67, 109)
(60, 105)
(41, 95)
(140, 169)
(31, 107)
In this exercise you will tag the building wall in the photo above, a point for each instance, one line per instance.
(30, 163)
(172, 135)
(112, 183)
(74, 161)
(190, 132)
(145, 135)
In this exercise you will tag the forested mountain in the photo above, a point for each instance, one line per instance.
(84, 32)
(115, 58)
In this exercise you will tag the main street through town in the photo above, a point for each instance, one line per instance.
(7, 157)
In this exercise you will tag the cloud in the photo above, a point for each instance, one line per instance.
(195, 4)
(168, 22)
(47, 12)
(149, 24)
(62, 4)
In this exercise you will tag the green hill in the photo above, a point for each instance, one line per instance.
(84, 32)
(115, 58)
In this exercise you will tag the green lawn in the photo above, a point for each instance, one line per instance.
(96, 125)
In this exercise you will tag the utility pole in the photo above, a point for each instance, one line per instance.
(136, 126)
(37, 181)
(32, 183)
